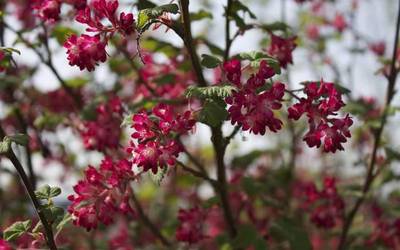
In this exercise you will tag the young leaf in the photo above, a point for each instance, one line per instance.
(148, 14)
(213, 92)
(291, 231)
(5, 145)
(159, 176)
(201, 14)
(16, 230)
(210, 61)
(46, 192)
(61, 33)
(20, 139)
(213, 112)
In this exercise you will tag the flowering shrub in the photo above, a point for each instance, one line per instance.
(143, 136)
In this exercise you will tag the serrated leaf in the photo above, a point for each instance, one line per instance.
(148, 14)
(16, 230)
(213, 112)
(209, 61)
(275, 26)
(127, 121)
(159, 176)
(46, 192)
(77, 82)
(5, 145)
(10, 50)
(201, 14)
(145, 4)
(64, 221)
(294, 233)
(214, 92)
(61, 33)
(21, 139)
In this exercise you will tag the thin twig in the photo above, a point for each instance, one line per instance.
(378, 134)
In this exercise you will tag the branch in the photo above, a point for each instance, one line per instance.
(31, 192)
(228, 40)
(147, 222)
(188, 40)
(197, 173)
(371, 168)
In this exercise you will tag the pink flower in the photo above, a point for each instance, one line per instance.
(233, 71)
(4, 245)
(102, 194)
(312, 32)
(253, 111)
(378, 48)
(190, 227)
(49, 10)
(321, 105)
(85, 51)
(156, 145)
(339, 22)
(282, 48)
(105, 131)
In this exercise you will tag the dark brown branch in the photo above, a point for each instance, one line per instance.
(377, 140)
(48, 232)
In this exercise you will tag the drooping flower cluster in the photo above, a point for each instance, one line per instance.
(190, 229)
(156, 145)
(166, 79)
(105, 131)
(385, 232)
(326, 206)
(250, 108)
(49, 10)
(86, 51)
(282, 48)
(321, 106)
(102, 194)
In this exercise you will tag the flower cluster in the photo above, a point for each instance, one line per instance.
(102, 194)
(155, 134)
(166, 79)
(385, 232)
(322, 102)
(190, 227)
(282, 48)
(251, 108)
(86, 51)
(105, 131)
(49, 10)
(326, 206)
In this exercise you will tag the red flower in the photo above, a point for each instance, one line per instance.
(339, 22)
(156, 147)
(322, 102)
(282, 49)
(190, 227)
(233, 71)
(4, 245)
(378, 48)
(102, 194)
(85, 51)
(49, 10)
(251, 110)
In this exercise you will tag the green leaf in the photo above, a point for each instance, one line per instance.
(127, 121)
(234, 13)
(154, 45)
(213, 48)
(201, 14)
(255, 57)
(52, 213)
(10, 50)
(209, 61)
(213, 112)
(145, 15)
(145, 4)
(61, 33)
(275, 26)
(245, 160)
(46, 192)
(214, 92)
(77, 82)
(63, 222)
(5, 145)
(48, 120)
(165, 79)
(293, 232)
(159, 176)
(16, 230)
(20, 139)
